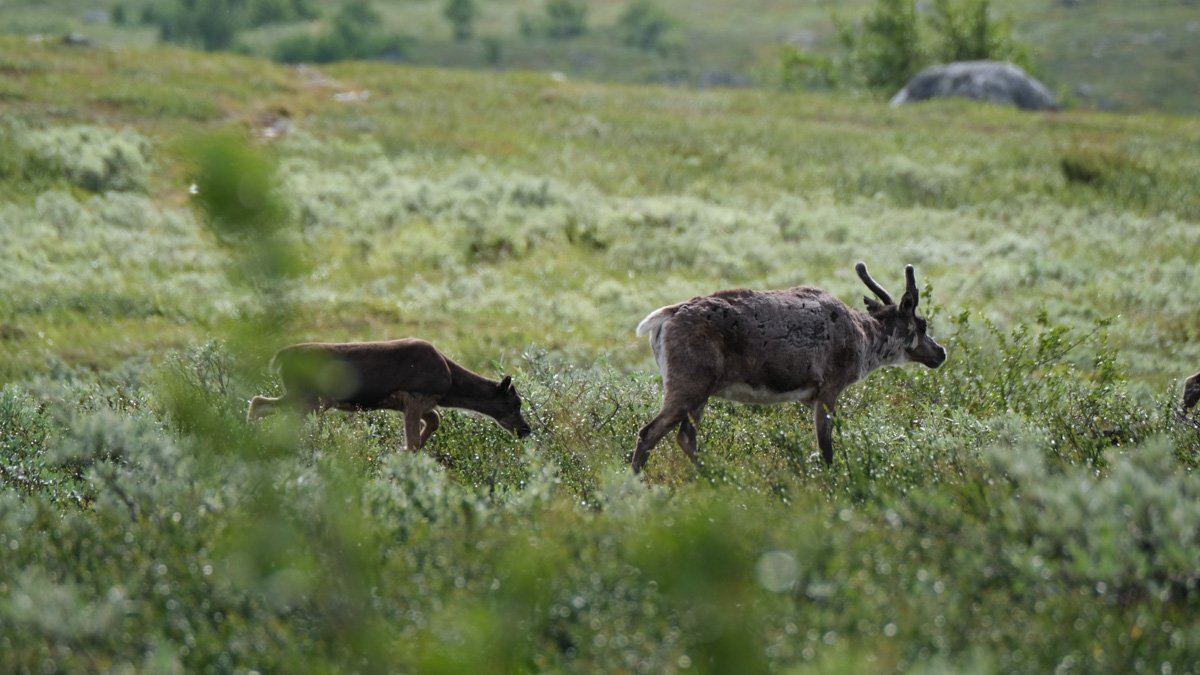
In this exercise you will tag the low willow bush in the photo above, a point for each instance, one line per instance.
(25, 428)
(97, 159)
(114, 255)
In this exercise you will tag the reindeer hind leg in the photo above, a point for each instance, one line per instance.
(687, 434)
(674, 413)
(689, 380)
(652, 433)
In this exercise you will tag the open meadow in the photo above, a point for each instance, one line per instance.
(1094, 54)
(168, 219)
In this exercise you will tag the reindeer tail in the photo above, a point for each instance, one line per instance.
(654, 321)
(653, 325)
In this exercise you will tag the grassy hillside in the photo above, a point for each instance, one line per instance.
(1096, 54)
(170, 218)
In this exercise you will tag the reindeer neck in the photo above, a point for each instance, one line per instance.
(882, 348)
(468, 390)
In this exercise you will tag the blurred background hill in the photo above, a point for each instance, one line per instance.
(1094, 54)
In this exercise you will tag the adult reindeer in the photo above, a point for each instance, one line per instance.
(800, 344)
(409, 375)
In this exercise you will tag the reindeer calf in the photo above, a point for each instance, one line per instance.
(408, 375)
(800, 344)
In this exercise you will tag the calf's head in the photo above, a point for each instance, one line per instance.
(505, 408)
(901, 321)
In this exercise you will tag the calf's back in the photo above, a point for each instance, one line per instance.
(363, 373)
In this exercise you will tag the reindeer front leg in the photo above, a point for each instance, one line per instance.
(823, 419)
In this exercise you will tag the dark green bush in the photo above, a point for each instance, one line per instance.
(964, 30)
(461, 14)
(561, 20)
(890, 45)
(215, 24)
(355, 34)
(801, 70)
(645, 25)
(25, 430)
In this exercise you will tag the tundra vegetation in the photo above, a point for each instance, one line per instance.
(1096, 54)
(1031, 506)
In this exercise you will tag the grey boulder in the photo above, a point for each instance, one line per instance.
(990, 81)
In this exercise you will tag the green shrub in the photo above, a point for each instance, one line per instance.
(461, 14)
(25, 430)
(908, 182)
(885, 50)
(211, 24)
(801, 70)
(561, 20)
(1112, 170)
(964, 30)
(645, 25)
(94, 158)
(1130, 534)
(889, 46)
(215, 24)
(355, 34)
(1096, 165)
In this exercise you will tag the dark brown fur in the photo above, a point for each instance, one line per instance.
(1191, 392)
(800, 344)
(410, 375)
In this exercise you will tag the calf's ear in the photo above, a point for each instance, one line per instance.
(506, 383)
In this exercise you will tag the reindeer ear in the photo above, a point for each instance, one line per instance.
(506, 383)
(872, 305)
(912, 296)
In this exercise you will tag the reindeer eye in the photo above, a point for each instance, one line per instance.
(922, 325)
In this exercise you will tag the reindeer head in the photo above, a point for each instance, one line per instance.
(901, 321)
(506, 408)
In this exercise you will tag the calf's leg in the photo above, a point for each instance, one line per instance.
(418, 412)
(430, 422)
(261, 406)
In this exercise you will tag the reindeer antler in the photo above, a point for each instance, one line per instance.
(883, 295)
